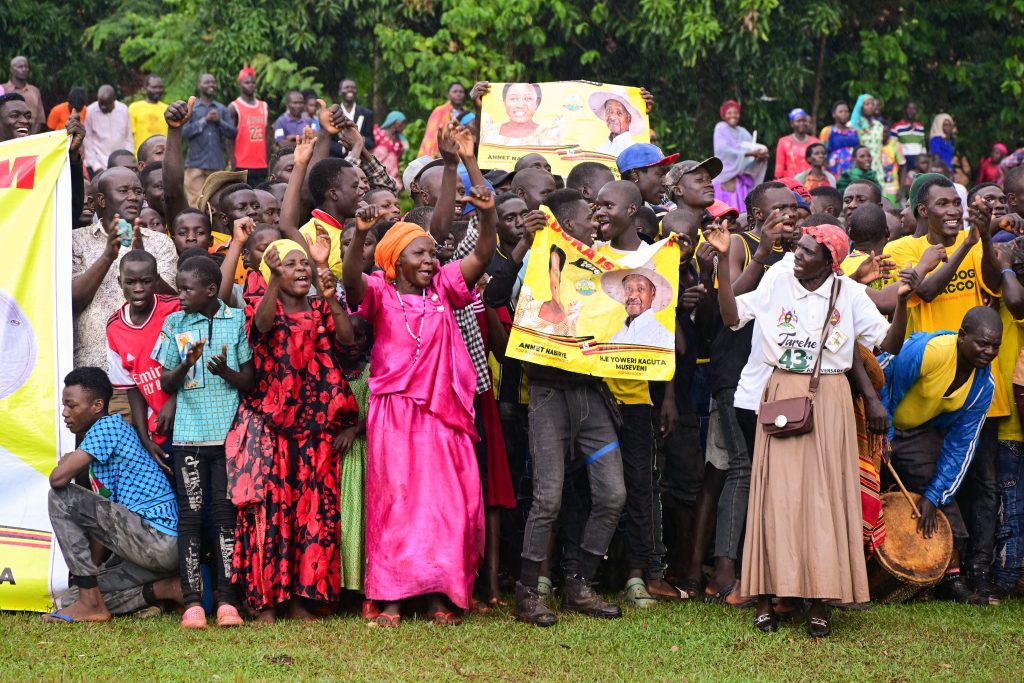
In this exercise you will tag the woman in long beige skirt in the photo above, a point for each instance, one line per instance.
(803, 537)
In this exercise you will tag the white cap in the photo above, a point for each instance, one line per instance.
(413, 169)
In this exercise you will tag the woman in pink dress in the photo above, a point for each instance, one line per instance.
(424, 507)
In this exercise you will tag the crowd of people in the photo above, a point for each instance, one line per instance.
(291, 397)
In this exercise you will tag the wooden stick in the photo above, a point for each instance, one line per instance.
(914, 514)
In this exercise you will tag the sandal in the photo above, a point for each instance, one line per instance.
(384, 620)
(58, 616)
(636, 594)
(194, 617)
(445, 619)
(766, 623)
(720, 598)
(818, 627)
(690, 589)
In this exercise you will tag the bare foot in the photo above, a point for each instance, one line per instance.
(266, 616)
(662, 590)
(80, 612)
(296, 610)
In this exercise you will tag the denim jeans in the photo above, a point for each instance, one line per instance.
(738, 427)
(1009, 555)
(563, 423)
(642, 518)
(202, 483)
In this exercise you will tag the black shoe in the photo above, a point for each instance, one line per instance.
(766, 623)
(580, 597)
(979, 580)
(818, 627)
(531, 609)
(955, 590)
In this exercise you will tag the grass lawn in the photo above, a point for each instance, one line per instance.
(922, 641)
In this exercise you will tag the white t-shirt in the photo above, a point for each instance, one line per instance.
(789, 320)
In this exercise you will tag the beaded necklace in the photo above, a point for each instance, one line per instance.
(419, 335)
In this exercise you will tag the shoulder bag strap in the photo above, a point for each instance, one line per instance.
(816, 375)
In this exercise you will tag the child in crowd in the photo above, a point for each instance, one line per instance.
(191, 228)
(282, 461)
(151, 219)
(892, 162)
(249, 241)
(424, 514)
(207, 363)
(133, 343)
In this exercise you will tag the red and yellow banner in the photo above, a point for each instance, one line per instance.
(35, 354)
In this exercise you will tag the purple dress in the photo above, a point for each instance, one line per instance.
(731, 146)
(424, 505)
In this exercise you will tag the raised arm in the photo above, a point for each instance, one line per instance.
(352, 264)
(240, 232)
(474, 265)
(177, 116)
(292, 204)
(980, 214)
(444, 209)
(263, 318)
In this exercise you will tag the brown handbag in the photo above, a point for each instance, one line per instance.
(795, 416)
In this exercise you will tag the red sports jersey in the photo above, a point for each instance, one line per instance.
(133, 355)
(251, 140)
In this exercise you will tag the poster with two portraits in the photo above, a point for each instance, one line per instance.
(567, 122)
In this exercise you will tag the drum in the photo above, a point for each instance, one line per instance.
(907, 562)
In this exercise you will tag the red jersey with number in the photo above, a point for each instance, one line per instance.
(251, 140)
(134, 352)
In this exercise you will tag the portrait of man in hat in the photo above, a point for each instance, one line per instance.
(621, 117)
(643, 292)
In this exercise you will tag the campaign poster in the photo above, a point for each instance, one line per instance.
(567, 122)
(589, 310)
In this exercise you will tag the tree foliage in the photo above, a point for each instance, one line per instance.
(965, 58)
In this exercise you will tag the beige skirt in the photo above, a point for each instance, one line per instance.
(803, 535)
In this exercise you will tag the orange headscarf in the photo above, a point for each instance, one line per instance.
(390, 247)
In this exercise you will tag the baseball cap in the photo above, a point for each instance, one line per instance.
(412, 171)
(720, 209)
(466, 184)
(643, 155)
(498, 176)
(713, 165)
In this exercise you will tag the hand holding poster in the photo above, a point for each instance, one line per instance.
(566, 122)
(592, 311)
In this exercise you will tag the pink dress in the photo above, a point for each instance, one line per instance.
(424, 507)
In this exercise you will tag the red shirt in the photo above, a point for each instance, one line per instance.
(133, 355)
(251, 138)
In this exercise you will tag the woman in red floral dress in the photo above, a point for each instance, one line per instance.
(282, 466)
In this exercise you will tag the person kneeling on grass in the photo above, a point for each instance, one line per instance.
(119, 540)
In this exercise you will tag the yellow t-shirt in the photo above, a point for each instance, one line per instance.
(147, 120)
(925, 400)
(852, 262)
(1009, 360)
(334, 262)
(946, 311)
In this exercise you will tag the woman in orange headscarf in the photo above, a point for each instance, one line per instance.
(424, 507)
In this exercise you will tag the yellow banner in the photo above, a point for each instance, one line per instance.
(595, 311)
(35, 353)
(567, 122)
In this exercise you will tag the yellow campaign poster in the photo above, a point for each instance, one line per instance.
(35, 354)
(567, 122)
(597, 312)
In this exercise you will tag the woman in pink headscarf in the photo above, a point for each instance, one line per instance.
(744, 161)
(988, 170)
(803, 538)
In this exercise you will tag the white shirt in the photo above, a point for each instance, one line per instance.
(106, 133)
(645, 330)
(616, 145)
(790, 320)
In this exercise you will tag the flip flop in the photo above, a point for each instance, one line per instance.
(689, 589)
(384, 620)
(63, 617)
(445, 619)
(720, 597)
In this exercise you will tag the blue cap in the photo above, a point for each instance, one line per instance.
(466, 184)
(643, 155)
(801, 202)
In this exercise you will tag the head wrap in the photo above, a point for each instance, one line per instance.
(392, 118)
(794, 114)
(937, 123)
(856, 119)
(915, 188)
(284, 247)
(794, 184)
(398, 237)
(835, 240)
(246, 71)
(1001, 147)
(726, 106)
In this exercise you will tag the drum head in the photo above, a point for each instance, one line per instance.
(906, 553)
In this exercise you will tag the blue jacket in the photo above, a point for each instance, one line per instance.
(962, 427)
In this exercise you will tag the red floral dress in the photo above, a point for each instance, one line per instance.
(282, 466)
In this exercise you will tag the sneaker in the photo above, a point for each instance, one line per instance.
(227, 616)
(580, 597)
(530, 607)
(194, 617)
(636, 594)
